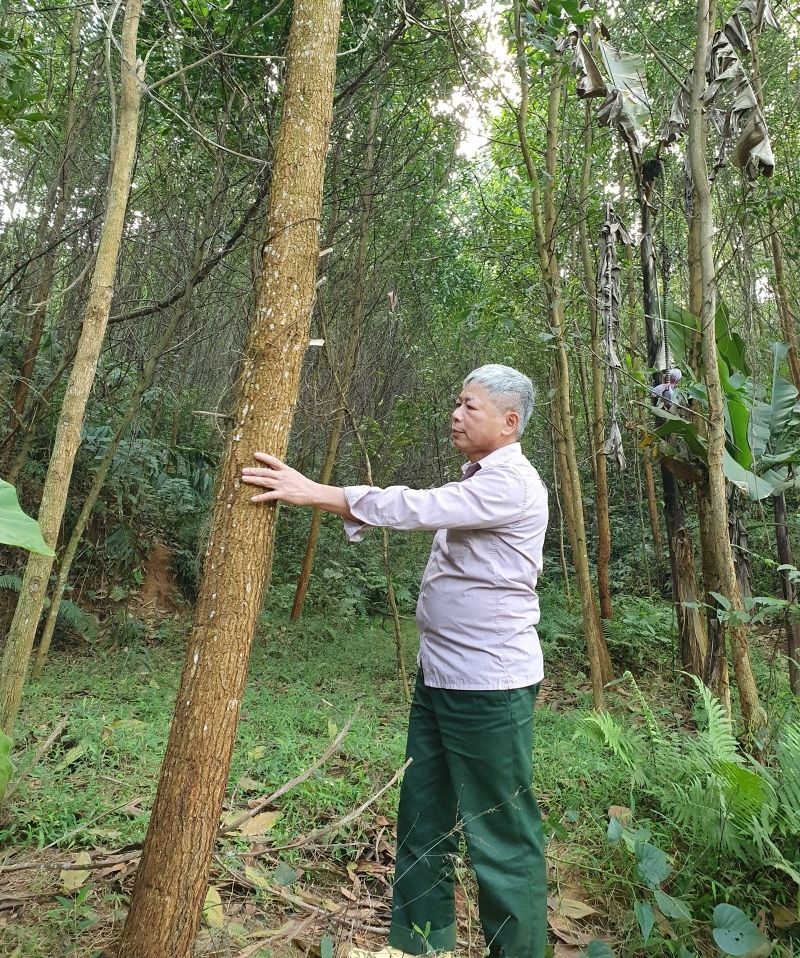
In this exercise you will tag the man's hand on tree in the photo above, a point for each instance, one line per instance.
(289, 485)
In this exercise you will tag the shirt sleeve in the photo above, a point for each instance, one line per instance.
(487, 500)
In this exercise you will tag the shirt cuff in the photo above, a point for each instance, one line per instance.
(354, 529)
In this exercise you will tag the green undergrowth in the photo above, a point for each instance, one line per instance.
(96, 784)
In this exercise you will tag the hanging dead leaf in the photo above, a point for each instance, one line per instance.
(73, 879)
(213, 915)
(784, 918)
(259, 824)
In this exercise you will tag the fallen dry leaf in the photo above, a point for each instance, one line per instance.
(213, 915)
(622, 814)
(566, 951)
(259, 824)
(572, 908)
(784, 918)
(562, 929)
(73, 879)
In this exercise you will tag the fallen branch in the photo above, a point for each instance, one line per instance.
(308, 839)
(295, 781)
(41, 752)
(131, 856)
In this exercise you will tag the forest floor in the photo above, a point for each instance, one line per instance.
(294, 878)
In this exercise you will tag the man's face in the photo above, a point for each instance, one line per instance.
(478, 426)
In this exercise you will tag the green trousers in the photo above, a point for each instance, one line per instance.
(471, 773)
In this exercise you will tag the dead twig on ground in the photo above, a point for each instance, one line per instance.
(251, 813)
(40, 753)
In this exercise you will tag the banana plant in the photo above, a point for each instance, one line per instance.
(763, 438)
(17, 528)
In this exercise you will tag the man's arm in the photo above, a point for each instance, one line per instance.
(283, 482)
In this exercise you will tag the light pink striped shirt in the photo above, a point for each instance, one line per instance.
(477, 608)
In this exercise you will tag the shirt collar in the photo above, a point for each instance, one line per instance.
(503, 454)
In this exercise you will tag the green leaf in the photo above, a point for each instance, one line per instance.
(326, 947)
(653, 864)
(284, 874)
(723, 600)
(754, 487)
(646, 918)
(735, 934)
(683, 329)
(6, 768)
(688, 432)
(672, 907)
(730, 344)
(16, 528)
(784, 397)
(597, 948)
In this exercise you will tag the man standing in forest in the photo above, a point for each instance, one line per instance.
(480, 667)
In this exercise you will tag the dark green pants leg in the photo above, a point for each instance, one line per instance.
(424, 887)
(484, 742)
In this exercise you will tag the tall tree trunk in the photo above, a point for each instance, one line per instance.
(692, 640)
(781, 290)
(145, 380)
(45, 282)
(544, 217)
(598, 416)
(787, 587)
(68, 432)
(719, 540)
(349, 359)
(779, 285)
(171, 880)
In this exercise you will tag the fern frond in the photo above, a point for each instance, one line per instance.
(605, 730)
(73, 617)
(654, 732)
(788, 755)
(747, 794)
(12, 582)
(718, 739)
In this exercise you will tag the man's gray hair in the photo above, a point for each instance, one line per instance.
(508, 388)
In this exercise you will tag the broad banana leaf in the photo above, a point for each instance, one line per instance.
(16, 528)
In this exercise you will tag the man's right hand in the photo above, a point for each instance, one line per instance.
(287, 484)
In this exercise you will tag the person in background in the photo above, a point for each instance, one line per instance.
(480, 668)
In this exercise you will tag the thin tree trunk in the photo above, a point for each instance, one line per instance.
(595, 426)
(42, 289)
(692, 640)
(68, 432)
(171, 879)
(544, 216)
(787, 587)
(780, 286)
(544, 221)
(144, 383)
(349, 360)
(719, 539)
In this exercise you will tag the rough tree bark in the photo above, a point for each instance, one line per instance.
(68, 432)
(171, 879)
(719, 540)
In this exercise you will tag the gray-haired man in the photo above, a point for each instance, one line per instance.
(480, 666)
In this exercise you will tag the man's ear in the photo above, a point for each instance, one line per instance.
(511, 423)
